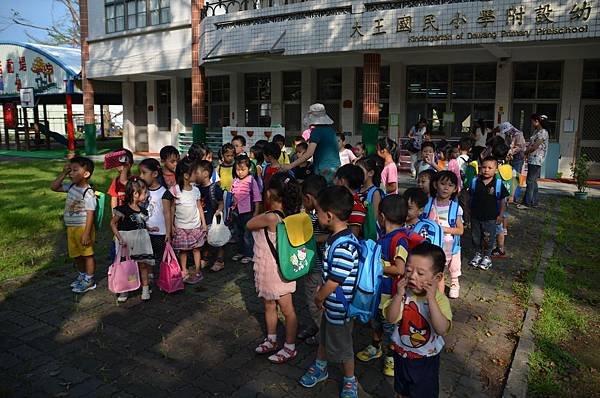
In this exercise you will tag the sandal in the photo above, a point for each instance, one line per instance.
(218, 265)
(283, 355)
(266, 347)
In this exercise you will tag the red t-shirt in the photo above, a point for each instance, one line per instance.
(117, 190)
(359, 212)
(269, 172)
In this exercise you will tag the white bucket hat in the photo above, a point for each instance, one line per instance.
(317, 115)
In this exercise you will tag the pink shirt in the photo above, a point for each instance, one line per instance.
(306, 134)
(389, 175)
(244, 194)
(454, 167)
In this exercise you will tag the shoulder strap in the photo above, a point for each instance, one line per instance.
(271, 245)
(400, 233)
(428, 207)
(452, 213)
(498, 188)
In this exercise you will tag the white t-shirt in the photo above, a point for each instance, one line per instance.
(156, 216)
(79, 201)
(346, 156)
(389, 175)
(187, 215)
(480, 137)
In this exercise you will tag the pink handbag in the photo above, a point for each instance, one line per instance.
(170, 279)
(123, 276)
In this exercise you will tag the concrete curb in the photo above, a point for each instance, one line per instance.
(516, 382)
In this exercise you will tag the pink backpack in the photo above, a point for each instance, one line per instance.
(170, 279)
(123, 276)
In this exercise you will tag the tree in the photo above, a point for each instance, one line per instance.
(64, 31)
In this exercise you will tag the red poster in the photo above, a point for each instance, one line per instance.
(10, 115)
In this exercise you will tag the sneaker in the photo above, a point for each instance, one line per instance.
(237, 257)
(246, 260)
(194, 279)
(145, 294)
(454, 290)
(497, 253)
(313, 375)
(476, 260)
(84, 286)
(388, 366)
(122, 297)
(350, 389)
(522, 207)
(486, 263)
(77, 280)
(369, 353)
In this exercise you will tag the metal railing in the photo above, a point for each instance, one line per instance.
(220, 7)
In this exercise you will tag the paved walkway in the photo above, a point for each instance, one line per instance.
(200, 342)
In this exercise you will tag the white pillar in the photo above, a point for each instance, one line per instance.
(127, 89)
(237, 113)
(569, 110)
(503, 92)
(152, 132)
(276, 98)
(398, 99)
(347, 115)
(309, 89)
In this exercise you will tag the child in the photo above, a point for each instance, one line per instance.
(387, 149)
(487, 208)
(189, 232)
(352, 177)
(392, 216)
(169, 156)
(371, 194)
(239, 144)
(421, 315)
(427, 157)
(448, 213)
(211, 196)
(441, 161)
(346, 155)
(416, 200)
(452, 154)
(310, 191)
(508, 176)
(283, 157)
(225, 168)
(159, 221)
(303, 170)
(78, 216)
(257, 158)
(424, 179)
(246, 201)
(272, 154)
(334, 207)
(297, 140)
(117, 186)
(129, 226)
(359, 151)
(283, 194)
(464, 147)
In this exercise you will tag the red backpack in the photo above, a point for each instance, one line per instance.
(413, 240)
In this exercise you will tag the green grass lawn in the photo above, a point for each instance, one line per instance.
(566, 361)
(32, 236)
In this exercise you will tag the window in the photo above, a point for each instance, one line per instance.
(329, 92)
(384, 98)
(591, 79)
(123, 15)
(163, 104)
(218, 102)
(468, 91)
(536, 89)
(257, 92)
(292, 96)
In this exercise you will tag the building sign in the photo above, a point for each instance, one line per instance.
(22, 67)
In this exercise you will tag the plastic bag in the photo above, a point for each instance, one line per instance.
(218, 233)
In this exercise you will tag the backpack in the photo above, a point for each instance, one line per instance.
(432, 231)
(470, 172)
(505, 173)
(100, 204)
(296, 246)
(367, 293)
(497, 189)
(414, 239)
(370, 225)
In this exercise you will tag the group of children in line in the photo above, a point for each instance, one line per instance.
(175, 204)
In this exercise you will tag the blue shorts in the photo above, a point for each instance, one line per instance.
(417, 377)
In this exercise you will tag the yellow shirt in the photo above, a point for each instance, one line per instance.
(283, 158)
(226, 176)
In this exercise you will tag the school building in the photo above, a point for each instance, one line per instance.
(252, 67)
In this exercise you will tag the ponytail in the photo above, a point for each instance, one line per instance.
(287, 190)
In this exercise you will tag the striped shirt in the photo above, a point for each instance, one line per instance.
(342, 270)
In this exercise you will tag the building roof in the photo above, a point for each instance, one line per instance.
(66, 57)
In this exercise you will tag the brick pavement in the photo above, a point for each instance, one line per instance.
(200, 342)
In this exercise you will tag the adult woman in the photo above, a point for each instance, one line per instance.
(322, 146)
(480, 134)
(536, 154)
(416, 138)
(516, 142)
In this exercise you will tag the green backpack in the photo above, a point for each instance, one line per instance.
(100, 204)
(296, 247)
(370, 224)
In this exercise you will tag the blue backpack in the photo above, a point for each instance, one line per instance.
(432, 231)
(367, 293)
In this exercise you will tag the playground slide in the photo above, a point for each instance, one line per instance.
(61, 139)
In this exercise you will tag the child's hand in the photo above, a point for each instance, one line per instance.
(85, 239)
(499, 220)
(319, 302)
(431, 289)
(447, 230)
(67, 168)
(205, 228)
(167, 238)
(401, 286)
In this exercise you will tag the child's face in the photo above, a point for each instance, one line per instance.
(427, 153)
(147, 175)
(78, 173)
(324, 218)
(427, 137)
(170, 163)
(341, 143)
(141, 195)
(414, 211)
(242, 171)
(308, 201)
(368, 175)
(208, 157)
(237, 145)
(419, 273)
(281, 144)
(359, 151)
(488, 169)
(423, 183)
(445, 188)
(228, 157)
(202, 177)
(299, 151)
(341, 182)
